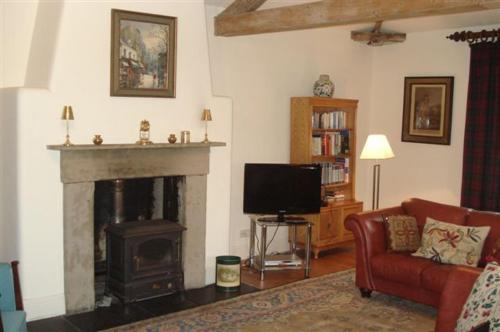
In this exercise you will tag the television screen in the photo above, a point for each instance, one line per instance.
(282, 189)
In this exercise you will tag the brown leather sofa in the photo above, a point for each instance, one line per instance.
(455, 293)
(401, 274)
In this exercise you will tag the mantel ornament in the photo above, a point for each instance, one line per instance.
(144, 133)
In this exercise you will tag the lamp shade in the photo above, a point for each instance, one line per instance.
(206, 115)
(67, 113)
(377, 147)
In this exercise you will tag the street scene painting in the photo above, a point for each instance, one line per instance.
(427, 110)
(143, 54)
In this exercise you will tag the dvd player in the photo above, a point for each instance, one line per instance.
(280, 260)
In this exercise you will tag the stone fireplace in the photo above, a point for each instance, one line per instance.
(83, 165)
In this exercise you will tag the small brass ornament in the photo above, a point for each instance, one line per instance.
(97, 140)
(144, 133)
(172, 139)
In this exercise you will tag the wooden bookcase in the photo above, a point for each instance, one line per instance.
(319, 127)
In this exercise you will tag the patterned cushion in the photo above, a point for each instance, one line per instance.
(483, 303)
(402, 233)
(453, 244)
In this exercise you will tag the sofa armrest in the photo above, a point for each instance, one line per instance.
(369, 234)
(454, 295)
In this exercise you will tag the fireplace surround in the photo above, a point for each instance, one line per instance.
(82, 165)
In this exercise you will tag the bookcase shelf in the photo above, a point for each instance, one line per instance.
(316, 120)
(321, 131)
(321, 158)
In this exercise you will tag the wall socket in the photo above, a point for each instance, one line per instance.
(244, 233)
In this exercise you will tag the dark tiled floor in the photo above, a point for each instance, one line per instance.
(118, 314)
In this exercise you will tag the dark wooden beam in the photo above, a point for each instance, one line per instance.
(340, 12)
(242, 6)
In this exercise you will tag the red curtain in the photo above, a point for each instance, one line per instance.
(481, 163)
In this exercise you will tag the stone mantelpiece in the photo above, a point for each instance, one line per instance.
(82, 165)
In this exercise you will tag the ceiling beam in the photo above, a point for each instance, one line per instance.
(376, 37)
(340, 12)
(242, 6)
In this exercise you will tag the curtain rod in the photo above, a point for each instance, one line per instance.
(475, 37)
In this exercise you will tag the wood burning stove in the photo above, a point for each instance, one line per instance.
(144, 259)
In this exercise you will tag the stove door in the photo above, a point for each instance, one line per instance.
(157, 254)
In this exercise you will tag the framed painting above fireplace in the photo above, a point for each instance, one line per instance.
(143, 54)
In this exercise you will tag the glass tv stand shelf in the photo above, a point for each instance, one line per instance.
(263, 262)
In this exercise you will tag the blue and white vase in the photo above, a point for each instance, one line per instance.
(323, 87)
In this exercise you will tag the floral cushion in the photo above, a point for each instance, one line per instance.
(483, 303)
(453, 244)
(402, 233)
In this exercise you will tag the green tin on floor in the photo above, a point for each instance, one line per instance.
(228, 273)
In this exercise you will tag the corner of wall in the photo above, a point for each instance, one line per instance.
(44, 44)
(9, 227)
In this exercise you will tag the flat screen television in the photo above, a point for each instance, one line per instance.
(282, 189)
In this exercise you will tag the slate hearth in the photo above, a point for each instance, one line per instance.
(119, 314)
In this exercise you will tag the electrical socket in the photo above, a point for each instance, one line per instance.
(245, 233)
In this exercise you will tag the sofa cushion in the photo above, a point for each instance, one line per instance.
(483, 303)
(453, 244)
(434, 277)
(402, 233)
(399, 267)
(492, 219)
(422, 209)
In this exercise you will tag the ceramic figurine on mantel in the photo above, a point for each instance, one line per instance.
(323, 87)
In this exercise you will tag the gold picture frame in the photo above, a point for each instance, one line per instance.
(427, 110)
(143, 54)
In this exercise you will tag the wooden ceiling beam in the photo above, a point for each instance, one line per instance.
(242, 6)
(339, 12)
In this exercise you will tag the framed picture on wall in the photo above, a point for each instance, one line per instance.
(427, 110)
(143, 54)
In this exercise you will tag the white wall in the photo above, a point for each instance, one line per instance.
(260, 73)
(17, 20)
(78, 75)
(427, 171)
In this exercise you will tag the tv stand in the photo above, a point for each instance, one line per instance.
(264, 262)
(281, 219)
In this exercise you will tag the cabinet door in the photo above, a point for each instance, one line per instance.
(347, 211)
(329, 227)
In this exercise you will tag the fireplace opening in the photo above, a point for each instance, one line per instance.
(134, 203)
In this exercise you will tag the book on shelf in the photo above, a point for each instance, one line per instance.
(331, 144)
(329, 120)
(334, 196)
(335, 172)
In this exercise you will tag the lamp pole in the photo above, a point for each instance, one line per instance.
(376, 186)
(376, 148)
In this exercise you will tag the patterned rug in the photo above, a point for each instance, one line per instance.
(327, 303)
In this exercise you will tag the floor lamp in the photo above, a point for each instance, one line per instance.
(376, 147)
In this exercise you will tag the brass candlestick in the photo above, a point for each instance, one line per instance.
(67, 115)
(206, 116)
